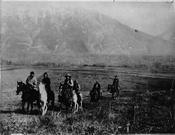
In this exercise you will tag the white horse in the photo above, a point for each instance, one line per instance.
(77, 105)
(43, 98)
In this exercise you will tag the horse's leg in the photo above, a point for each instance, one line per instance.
(81, 103)
(52, 98)
(38, 103)
(31, 107)
(90, 98)
(171, 110)
(23, 104)
(75, 107)
(44, 109)
(80, 98)
(115, 95)
(53, 101)
(28, 104)
(112, 95)
(41, 107)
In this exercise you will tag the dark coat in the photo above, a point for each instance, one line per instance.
(76, 87)
(116, 83)
(97, 88)
(47, 82)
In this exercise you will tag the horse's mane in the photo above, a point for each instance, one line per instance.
(42, 91)
(24, 84)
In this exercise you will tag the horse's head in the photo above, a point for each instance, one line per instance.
(20, 87)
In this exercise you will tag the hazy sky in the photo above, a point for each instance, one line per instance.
(152, 18)
(99, 0)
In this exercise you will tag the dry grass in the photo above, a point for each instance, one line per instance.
(106, 117)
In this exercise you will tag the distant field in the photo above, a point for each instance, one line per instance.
(132, 81)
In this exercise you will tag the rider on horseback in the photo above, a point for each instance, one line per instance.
(68, 83)
(46, 81)
(67, 86)
(31, 81)
(97, 88)
(116, 83)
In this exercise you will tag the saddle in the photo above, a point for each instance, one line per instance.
(33, 91)
(112, 88)
(66, 92)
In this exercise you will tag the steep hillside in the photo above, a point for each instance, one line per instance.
(72, 35)
(169, 35)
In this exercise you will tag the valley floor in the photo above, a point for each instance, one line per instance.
(105, 117)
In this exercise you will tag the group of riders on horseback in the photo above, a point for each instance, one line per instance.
(68, 90)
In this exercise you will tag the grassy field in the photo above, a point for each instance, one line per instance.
(106, 117)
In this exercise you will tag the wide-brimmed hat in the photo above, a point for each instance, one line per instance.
(67, 75)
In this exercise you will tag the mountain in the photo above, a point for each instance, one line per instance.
(169, 35)
(72, 35)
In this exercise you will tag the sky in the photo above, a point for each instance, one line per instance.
(151, 18)
(100, 0)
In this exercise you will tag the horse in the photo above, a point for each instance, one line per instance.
(28, 96)
(43, 98)
(65, 96)
(78, 104)
(111, 89)
(70, 98)
(51, 98)
(94, 95)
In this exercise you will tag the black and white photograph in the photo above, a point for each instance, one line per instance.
(85, 67)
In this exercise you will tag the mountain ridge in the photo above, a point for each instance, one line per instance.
(75, 33)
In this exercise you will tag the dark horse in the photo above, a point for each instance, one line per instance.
(65, 97)
(51, 98)
(28, 96)
(111, 89)
(94, 95)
